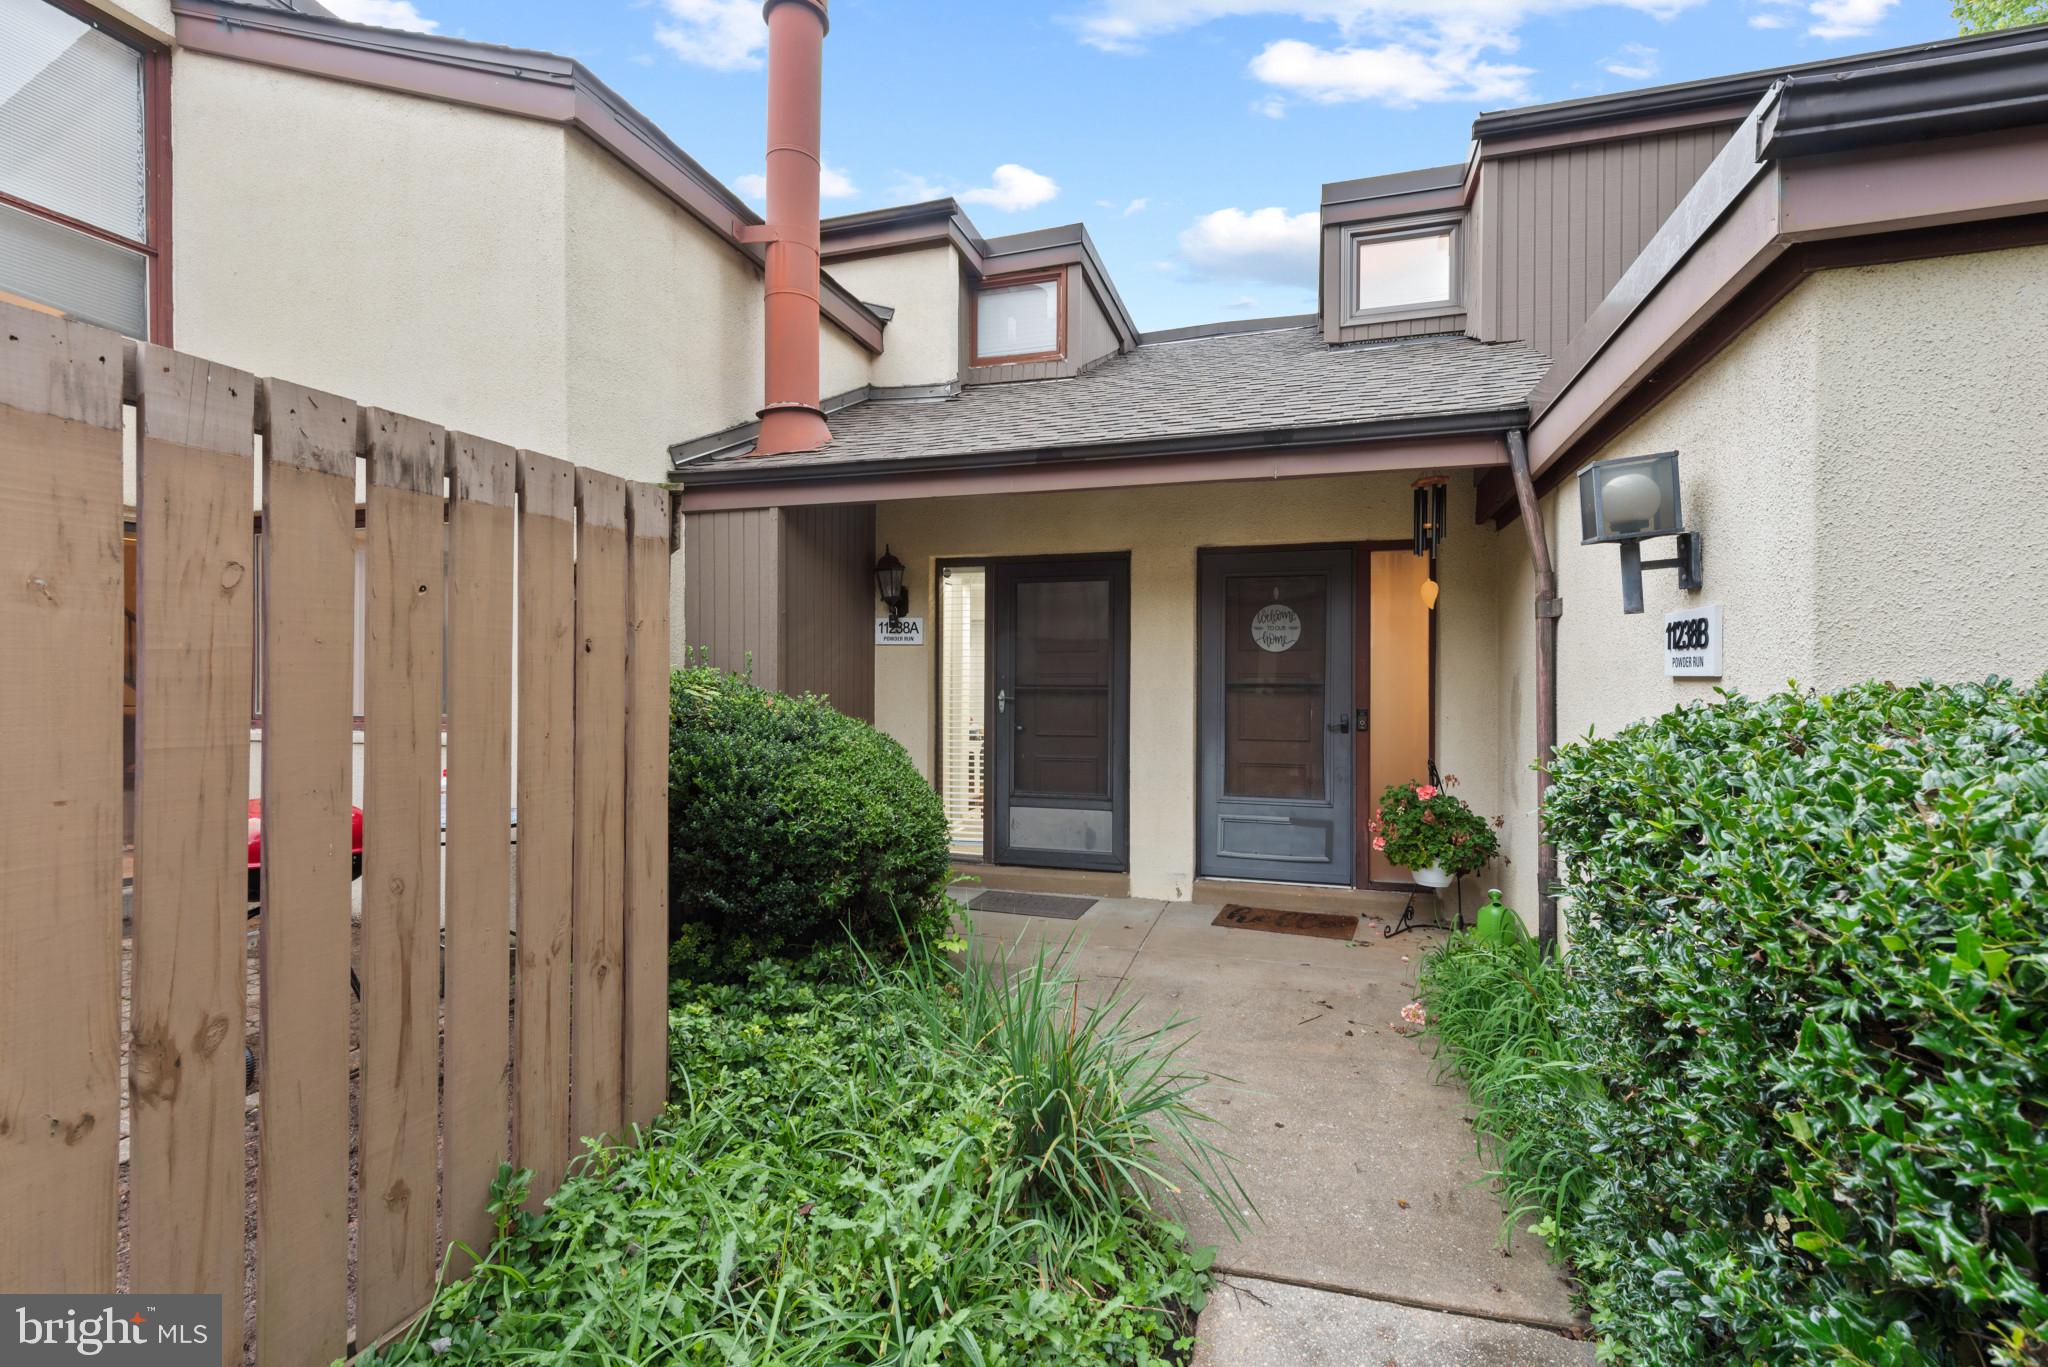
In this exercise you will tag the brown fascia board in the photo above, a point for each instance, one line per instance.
(515, 81)
(1715, 99)
(1401, 194)
(1744, 215)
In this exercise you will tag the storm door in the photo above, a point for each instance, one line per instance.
(1061, 636)
(1275, 795)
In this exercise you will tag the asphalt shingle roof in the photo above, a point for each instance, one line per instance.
(1207, 386)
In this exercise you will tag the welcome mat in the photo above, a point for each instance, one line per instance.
(1033, 904)
(1324, 925)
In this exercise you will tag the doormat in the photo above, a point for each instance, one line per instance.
(1033, 904)
(1324, 925)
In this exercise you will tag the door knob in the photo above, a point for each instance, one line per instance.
(1342, 726)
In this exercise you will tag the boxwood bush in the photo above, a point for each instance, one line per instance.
(1804, 1029)
(792, 826)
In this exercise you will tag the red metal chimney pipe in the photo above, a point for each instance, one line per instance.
(791, 419)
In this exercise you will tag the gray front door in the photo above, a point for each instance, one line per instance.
(1060, 632)
(1275, 800)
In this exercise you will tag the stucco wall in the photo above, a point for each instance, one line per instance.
(1162, 528)
(923, 286)
(153, 17)
(1865, 463)
(396, 250)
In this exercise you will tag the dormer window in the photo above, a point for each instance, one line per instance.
(1021, 318)
(1406, 272)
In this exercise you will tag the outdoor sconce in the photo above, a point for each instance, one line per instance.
(889, 585)
(1632, 500)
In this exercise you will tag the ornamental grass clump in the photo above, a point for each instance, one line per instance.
(1801, 1035)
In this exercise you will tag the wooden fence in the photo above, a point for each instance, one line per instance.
(525, 597)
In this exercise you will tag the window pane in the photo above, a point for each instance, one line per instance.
(1394, 272)
(1275, 664)
(1019, 320)
(963, 636)
(89, 279)
(71, 118)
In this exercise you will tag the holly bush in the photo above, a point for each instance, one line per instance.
(1804, 1020)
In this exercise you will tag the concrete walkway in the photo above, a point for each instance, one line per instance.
(1371, 1232)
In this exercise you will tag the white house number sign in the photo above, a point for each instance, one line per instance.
(1692, 643)
(899, 631)
(1276, 627)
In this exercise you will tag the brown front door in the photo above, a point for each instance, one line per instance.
(1060, 634)
(1275, 800)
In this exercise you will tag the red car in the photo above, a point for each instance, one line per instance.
(355, 845)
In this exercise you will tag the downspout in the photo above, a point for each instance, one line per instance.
(1548, 608)
(791, 416)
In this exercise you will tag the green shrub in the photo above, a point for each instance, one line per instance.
(792, 825)
(837, 1182)
(1805, 1015)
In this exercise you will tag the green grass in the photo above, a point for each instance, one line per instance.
(907, 1164)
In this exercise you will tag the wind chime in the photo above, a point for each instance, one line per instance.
(1431, 497)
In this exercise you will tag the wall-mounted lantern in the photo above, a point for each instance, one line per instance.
(889, 585)
(1632, 500)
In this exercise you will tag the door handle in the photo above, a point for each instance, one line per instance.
(1002, 701)
(1341, 726)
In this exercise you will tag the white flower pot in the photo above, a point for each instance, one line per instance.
(1433, 877)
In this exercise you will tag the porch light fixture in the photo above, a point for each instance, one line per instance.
(889, 585)
(1635, 499)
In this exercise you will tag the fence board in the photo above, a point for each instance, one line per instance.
(480, 566)
(646, 909)
(547, 626)
(401, 925)
(195, 627)
(61, 618)
(596, 1002)
(308, 619)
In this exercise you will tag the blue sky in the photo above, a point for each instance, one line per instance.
(1192, 136)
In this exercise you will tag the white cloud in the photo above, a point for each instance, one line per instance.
(1136, 206)
(384, 14)
(1633, 62)
(1768, 21)
(1398, 52)
(907, 188)
(833, 183)
(1393, 74)
(1269, 245)
(1847, 18)
(1272, 106)
(725, 35)
(1013, 188)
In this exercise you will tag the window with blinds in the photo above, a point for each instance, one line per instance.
(75, 233)
(1018, 321)
(963, 704)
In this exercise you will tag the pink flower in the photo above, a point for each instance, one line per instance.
(1415, 1014)
(1426, 791)
(1379, 842)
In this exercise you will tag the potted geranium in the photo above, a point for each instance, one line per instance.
(1424, 829)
